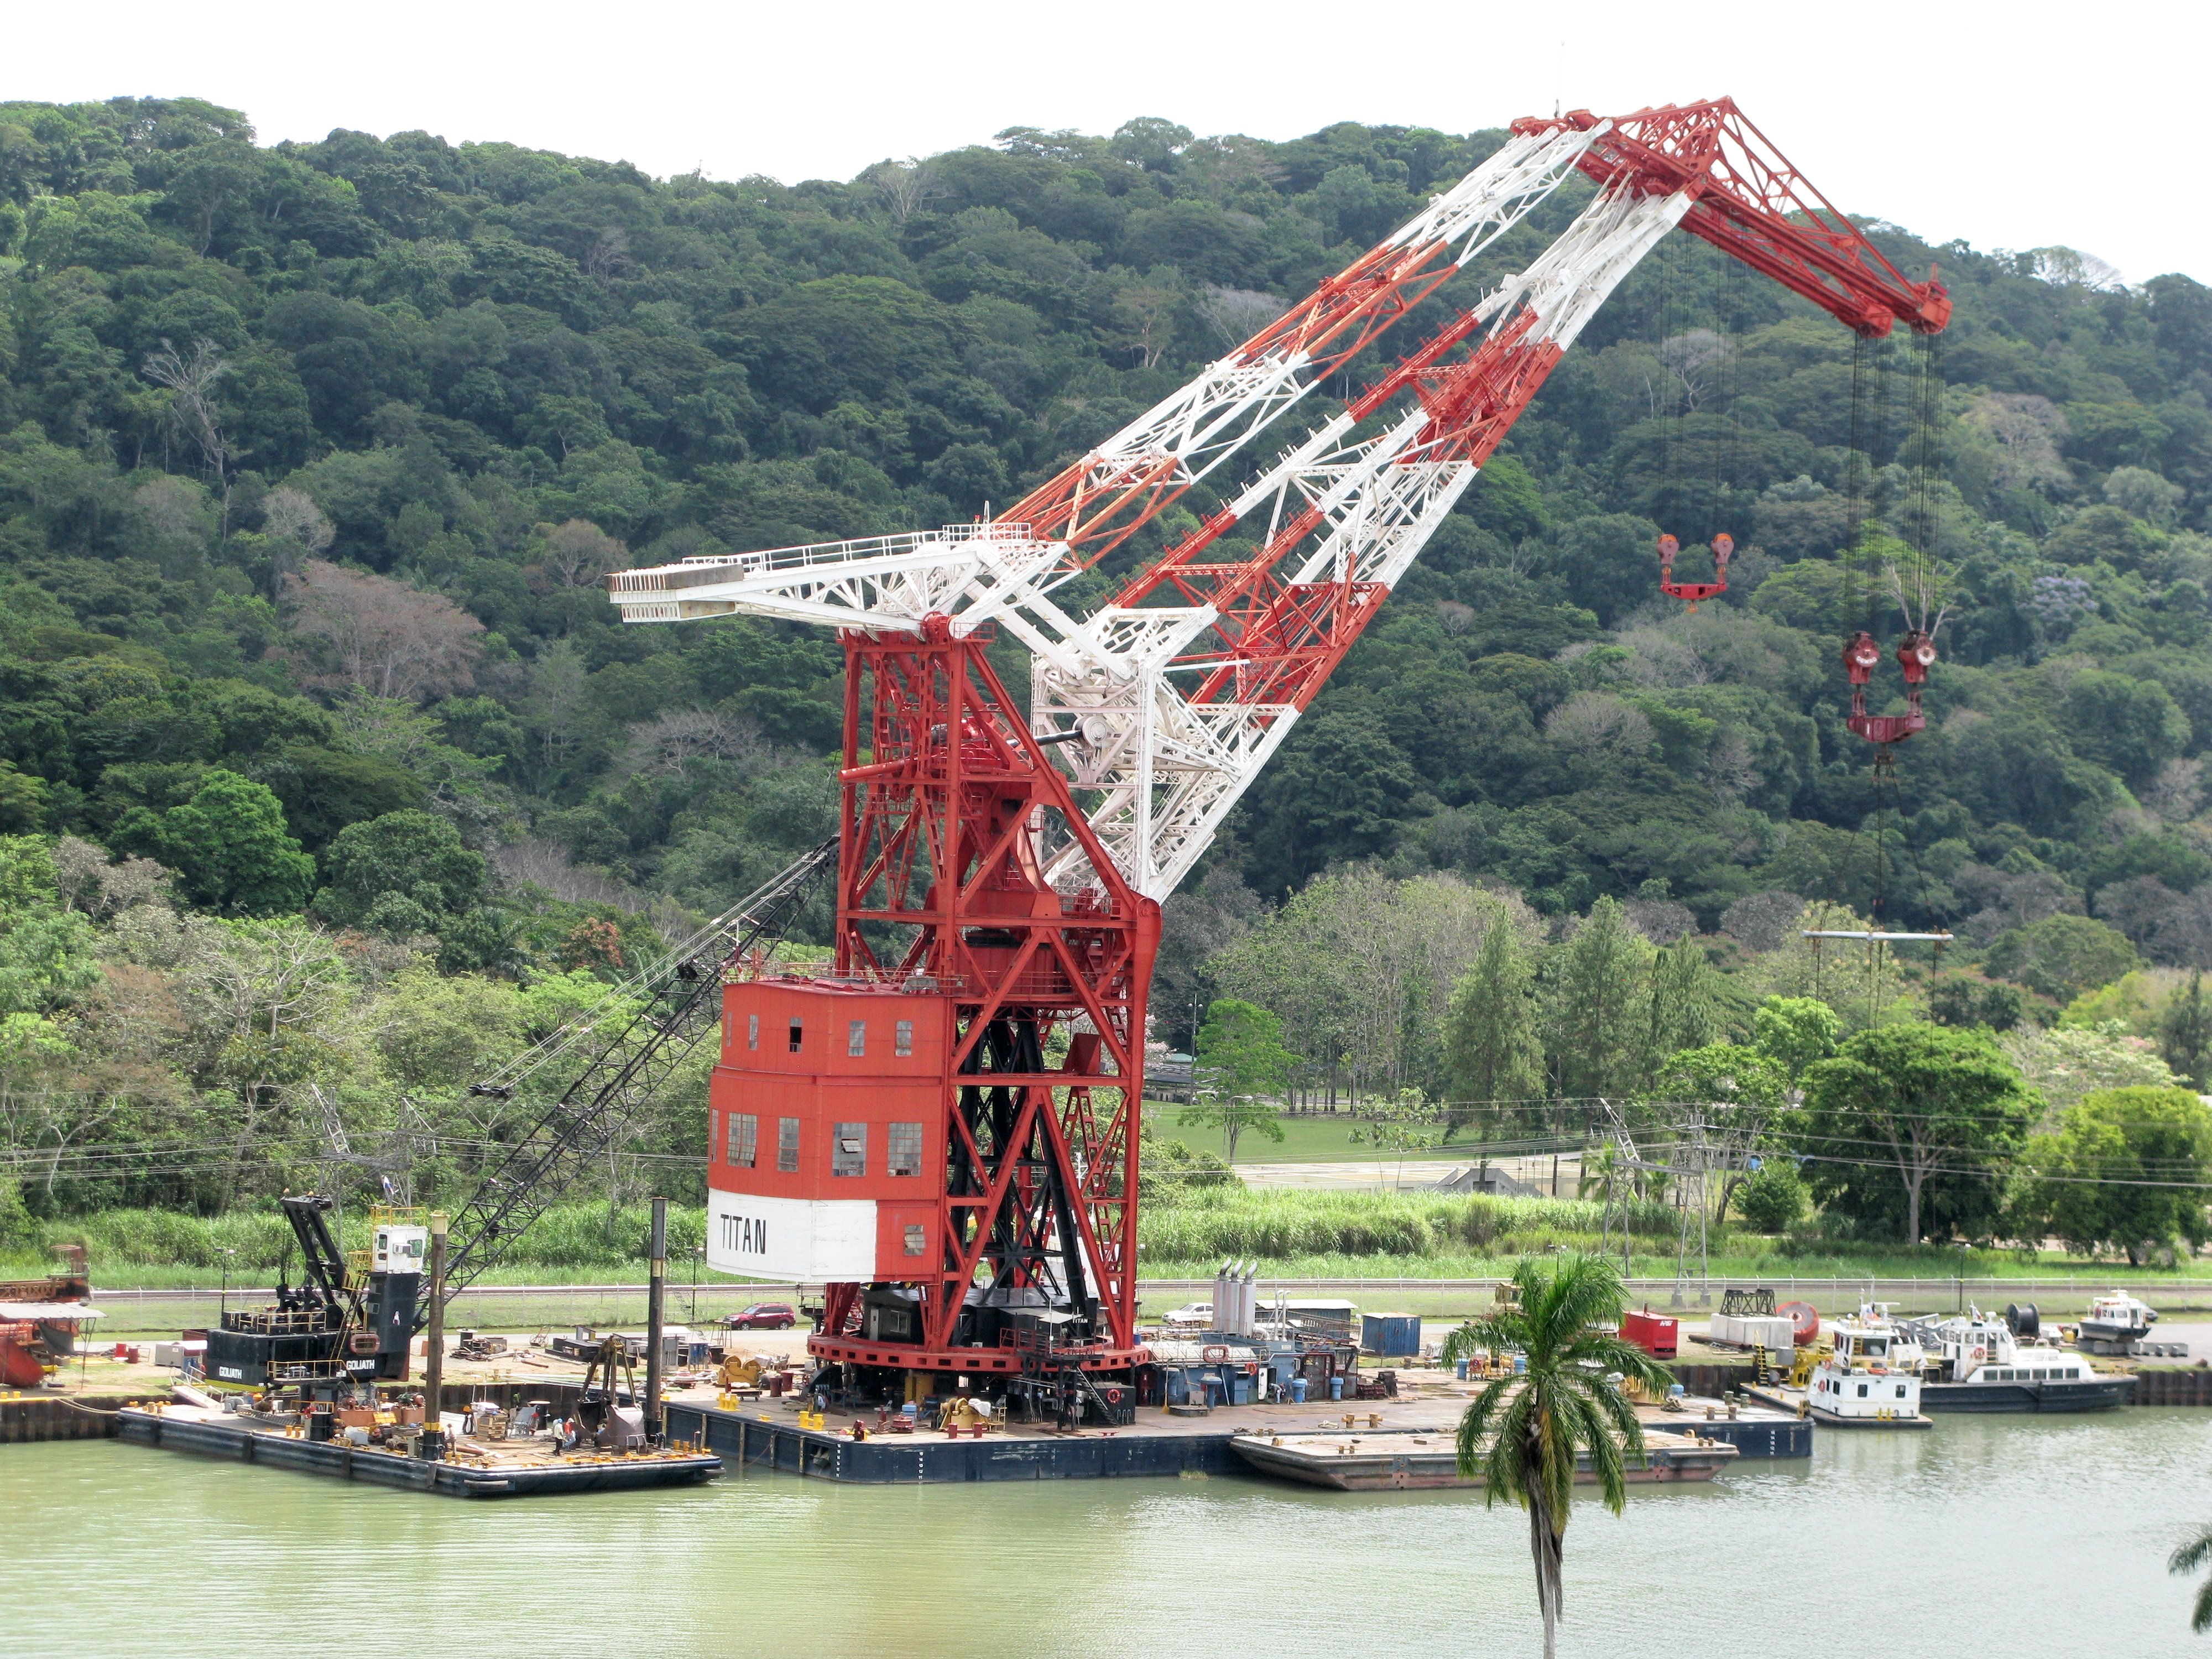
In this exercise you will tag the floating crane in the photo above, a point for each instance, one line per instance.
(944, 1129)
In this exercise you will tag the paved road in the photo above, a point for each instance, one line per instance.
(1390, 1174)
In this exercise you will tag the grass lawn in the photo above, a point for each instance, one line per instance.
(1319, 1139)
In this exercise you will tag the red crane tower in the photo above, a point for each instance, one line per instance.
(944, 1127)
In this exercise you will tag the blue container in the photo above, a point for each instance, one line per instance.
(1390, 1335)
(1462, 1371)
(1336, 1387)
(1299, 1390)
(1240, 1390)
(1520, 1365)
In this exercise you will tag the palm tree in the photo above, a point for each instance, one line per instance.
(2191, 1557)
(1525, 1435)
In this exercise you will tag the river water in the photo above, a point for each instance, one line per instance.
(2009, 1537)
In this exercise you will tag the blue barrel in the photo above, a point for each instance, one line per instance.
(1336, 1387)
(1299, 1390)
(1462, 1371)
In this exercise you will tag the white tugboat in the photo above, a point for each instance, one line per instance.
(1872, 1380)
(2116, 1323)
(1976, 1364)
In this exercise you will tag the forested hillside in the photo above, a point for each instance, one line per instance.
(312, 457)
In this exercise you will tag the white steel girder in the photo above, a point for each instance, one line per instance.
(1168, 772)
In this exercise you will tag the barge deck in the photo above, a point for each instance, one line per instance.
(768, 1436)
(520, 1469)
(1406, 1461)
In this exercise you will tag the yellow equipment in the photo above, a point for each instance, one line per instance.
(962, 1413)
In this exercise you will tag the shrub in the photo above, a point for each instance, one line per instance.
(1774, 1197)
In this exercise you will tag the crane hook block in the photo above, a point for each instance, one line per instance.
(1670, 546)
(1916, 655)
(1859, 657)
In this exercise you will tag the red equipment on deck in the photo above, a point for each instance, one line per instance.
(1657, 1334)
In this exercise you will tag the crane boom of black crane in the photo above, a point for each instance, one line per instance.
(627, 1060)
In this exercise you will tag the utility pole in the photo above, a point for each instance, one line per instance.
(656, 1283)
(433, 1358)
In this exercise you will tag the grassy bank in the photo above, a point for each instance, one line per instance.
(1288, 1234)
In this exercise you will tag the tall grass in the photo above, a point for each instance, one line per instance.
(1221, 1222)
(260, 1240)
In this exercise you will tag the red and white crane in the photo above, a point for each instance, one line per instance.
(944, 1129)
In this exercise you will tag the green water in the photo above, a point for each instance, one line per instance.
(2048, 1537)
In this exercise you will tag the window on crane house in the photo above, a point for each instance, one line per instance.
(856, 1038)
(787, 1144)
(752, 1032)
(744, 1139)
(848, 1153)
(903, 1156)
(905, 1044)
(798, 1032)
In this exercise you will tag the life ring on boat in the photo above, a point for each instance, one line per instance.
(1979, 1353)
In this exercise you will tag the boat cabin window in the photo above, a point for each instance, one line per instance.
(1862, 1388)
(1900, 1391)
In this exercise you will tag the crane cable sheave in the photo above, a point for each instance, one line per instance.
(1166, 702)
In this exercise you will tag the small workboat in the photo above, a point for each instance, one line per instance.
(1872, 1378)
(1398, 1460)
(2116, 1323)
(1976, 1364)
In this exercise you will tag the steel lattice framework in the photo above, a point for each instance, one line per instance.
(1026, 894)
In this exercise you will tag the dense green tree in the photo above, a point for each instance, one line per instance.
(1773, 1199)
(2124, 1169)
(402, 872)
(2062, 957)
(229, 845)
(1598, 1023)
(1910, 1127)
(2185, 1032)
(1493, 1042)
(1793, 1032)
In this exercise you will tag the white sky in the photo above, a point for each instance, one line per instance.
(2012, 125)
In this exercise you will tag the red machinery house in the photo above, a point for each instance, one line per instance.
(828, 1159)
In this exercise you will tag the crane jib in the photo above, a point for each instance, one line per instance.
(1002, 863)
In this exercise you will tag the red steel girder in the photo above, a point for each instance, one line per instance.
(1750, 200)
(943, 792)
